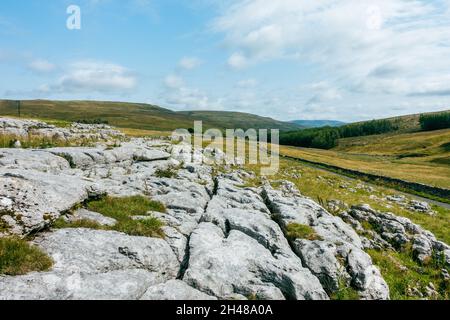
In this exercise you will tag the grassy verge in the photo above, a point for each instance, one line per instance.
(17, 257)
(123, 210)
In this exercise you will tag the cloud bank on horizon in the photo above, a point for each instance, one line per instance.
(288, 59)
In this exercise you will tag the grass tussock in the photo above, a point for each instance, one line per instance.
(123, 210)
(120, 208)
(301, 231)
(149, 227)
(17, 257)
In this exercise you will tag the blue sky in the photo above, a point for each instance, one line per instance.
(289, 59)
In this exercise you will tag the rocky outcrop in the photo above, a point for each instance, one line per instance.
(174, 290)
(391, 231)
(338, 257)
(24, 128)
(92, 264)
(38, 160)
(96, 251)
(222, 240)
(236, 264)
(30, 200)
(114, 285)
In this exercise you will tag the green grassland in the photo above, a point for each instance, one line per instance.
(421, 157)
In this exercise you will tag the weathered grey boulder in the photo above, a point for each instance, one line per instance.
(143, 154)
(237, 264)
(93, 264)
(338, 240)
(16, 127)
(229, 194)
(322, 259)
(289, 207)
(420, 206)
(80, 157)
(182, 152)
(27, 159)
(398, 231)
(365, 276)
(112, 285)
(34, 199)
(180, 220)
(422, 248)
(96, 251)
(179, 194)
(177, 241)
(77, 131)
(175, 290)
(256, 224)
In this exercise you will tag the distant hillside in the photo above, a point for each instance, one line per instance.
(318, 123)
(223, 119)
(328, 137)
(137, 115)
(410, 122)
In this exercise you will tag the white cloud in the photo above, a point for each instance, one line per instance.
(189, 63)
(173, 81)
(182, 97)
(185, 98)
(247, 83)
(237, 61)
(95, 76)
(322, 92)
(383, 46)
(41, 66)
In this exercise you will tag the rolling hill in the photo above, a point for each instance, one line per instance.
(223, 119)
(137, 115)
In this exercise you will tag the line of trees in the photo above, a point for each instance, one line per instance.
(327, 137)
(436, 121)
